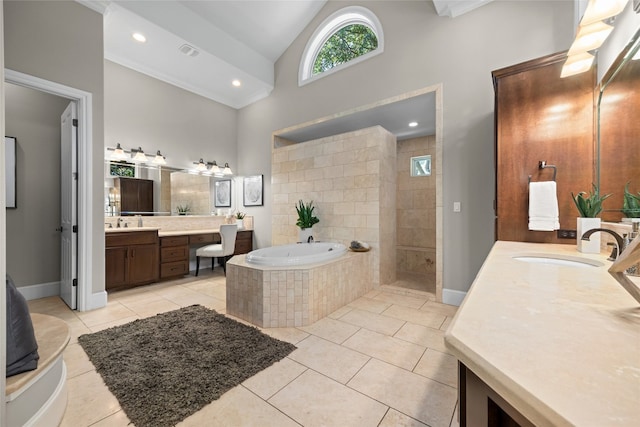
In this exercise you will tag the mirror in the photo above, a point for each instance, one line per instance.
(619, 132)
(176, 191)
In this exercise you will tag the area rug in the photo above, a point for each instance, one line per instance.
(164, 368)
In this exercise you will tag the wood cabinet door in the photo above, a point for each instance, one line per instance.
(143, 264)
(145, 195)
(116, 260)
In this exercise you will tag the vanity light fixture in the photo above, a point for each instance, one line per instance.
(599, 10)
(201, 166)
(159, 159)
(227, 170)
(139, 155)
(577, 64)
(118, 153)
(214, 167)
(590, 37)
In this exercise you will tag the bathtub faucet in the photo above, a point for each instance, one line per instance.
(310, 239)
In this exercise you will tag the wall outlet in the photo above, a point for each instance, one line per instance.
(567, 234)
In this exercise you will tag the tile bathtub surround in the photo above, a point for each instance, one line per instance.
(277, 298)
(351, 179)
(354, 386)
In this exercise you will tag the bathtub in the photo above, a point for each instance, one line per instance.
(296, 254)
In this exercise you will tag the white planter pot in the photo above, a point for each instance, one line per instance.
(304, 234)
(240, 224)
(592, 246)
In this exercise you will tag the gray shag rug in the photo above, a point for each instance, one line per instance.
(164, 368)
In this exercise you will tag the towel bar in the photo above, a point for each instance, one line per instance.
(543, 165)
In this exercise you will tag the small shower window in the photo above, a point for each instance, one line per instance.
(421, 166)
(349, 36)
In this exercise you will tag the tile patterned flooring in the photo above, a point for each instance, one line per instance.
(380, 361)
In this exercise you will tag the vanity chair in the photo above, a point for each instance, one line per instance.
(223, 250)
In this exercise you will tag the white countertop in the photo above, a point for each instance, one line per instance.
(167, 233)
(560, 343)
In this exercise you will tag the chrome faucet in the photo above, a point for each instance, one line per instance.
(119, 222)
(619, 241)
(310, 239)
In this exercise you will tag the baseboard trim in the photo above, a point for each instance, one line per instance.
(40, 290)
(98, 300)
(453, 297)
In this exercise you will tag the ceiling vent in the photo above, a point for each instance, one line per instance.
(188, 50)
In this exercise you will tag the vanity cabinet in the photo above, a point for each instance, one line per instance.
(136, 195)
(131, 259)
(174, 256)
(244, 242)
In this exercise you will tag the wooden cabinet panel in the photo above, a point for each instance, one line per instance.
(131, 259)
(174, 269)
(174, 253)
(136, 195)
(174, 241)
(174, 256)
(244, 242)
(116, 267)
(204, 238)
(541, 117)
(143, 264)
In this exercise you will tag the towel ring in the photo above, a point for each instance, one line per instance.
(543, 165)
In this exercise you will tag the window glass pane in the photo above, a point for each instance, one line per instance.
(344, 45)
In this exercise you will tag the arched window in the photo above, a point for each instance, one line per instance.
(348, 36)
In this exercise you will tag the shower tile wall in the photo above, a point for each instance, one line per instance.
(191, 190)
(416, 211)
(351, 179)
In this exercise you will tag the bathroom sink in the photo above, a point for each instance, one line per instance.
(565, 260)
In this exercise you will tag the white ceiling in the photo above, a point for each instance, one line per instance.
(239, 39)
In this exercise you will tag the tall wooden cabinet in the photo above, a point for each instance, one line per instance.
(541, 117)
(136, 195)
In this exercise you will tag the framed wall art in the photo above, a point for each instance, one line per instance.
(253, 187)
(223, 194)
(10, 170)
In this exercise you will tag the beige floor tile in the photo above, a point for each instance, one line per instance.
(77, 328)
(401, 300)
(148, 309)
(207, 287)
(436, 307)
(332, 360)
(89, 401)
(53, 306)
(269, 381)
(77, 361)
(438, 366)
(112, 312)
(290, 335)
(372, 321)
(133, 295)
(326, 403)
(423, 335)
(392, 350)
(419, 317)
(238, 407)
(370, 304)
(119, 419)
(195, 298)
(340, 312)
(446, 323)
(372, 293)
(172, 292)
(331, 329)
(394, 418)
(420, 398)
(124, 320)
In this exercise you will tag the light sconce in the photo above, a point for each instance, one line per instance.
(159, 159)
(227, 170)
(201, 166)
(592, 33)
(214, 167)
(139, 155)
(118, 153)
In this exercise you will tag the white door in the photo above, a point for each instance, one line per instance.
(68, 206)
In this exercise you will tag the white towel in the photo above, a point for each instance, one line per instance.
(543, 206)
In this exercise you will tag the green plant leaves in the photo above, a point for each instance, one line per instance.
(630, 203)
(306, 219)
(591, 206)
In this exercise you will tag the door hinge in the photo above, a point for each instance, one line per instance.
(75, 282)
(75, 228)
(75, 176)
(75, 122)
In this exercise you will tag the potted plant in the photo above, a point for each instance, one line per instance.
(183, 209)
(589, 207)
(240, 219)
(306, 220)
(631, 204)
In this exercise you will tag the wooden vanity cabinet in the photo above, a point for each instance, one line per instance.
(174, 256)
(136, 195)
(131, 259)
(244, 242)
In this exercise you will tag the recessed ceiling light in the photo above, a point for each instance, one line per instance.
(236, 83)
(139, 37)
(413, 124)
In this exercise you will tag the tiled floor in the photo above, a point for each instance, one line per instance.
(380, 361)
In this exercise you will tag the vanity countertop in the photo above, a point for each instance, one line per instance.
(560, 343)
(128, 229)
(166, 233)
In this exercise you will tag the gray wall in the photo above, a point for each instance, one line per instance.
(33, 117)
(142, 111)
(62, 42)
(421, 49)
